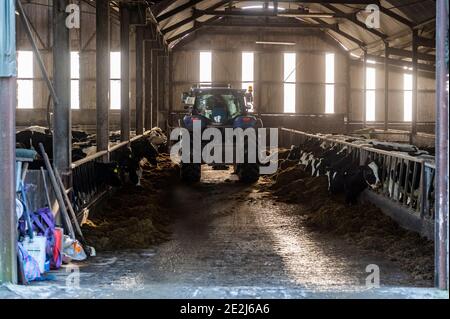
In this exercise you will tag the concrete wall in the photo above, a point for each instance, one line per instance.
(227, 49)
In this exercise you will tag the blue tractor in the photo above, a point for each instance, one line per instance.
(226, 109)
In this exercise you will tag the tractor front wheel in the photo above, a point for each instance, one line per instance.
(190, 173)
(248, 173)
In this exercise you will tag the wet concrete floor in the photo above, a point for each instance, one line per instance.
(229, 241)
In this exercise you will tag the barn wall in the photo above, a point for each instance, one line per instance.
(83, 41)
(227, 48)
(425, 102)
(226, 45)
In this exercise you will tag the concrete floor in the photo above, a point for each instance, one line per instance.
(229, 241)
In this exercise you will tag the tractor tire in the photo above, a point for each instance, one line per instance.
(190, 173)
(248, 173)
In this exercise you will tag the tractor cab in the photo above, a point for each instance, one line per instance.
(217, 105)
(222, 107)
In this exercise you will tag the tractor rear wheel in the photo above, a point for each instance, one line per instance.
(190, 173)
(248, 173)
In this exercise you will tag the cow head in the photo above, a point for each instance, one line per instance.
(129, 164)
(294, 153)
(144, 149)
(370, 173)
(157, 137)
(109, 173)
(320, 168)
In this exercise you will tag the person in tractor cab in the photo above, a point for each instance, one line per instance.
(224, 108)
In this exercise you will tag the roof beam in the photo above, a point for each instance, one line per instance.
(349, 37)
(342, 33)
(332, 1)
(178, 9)
(264, 24)
(395, 16)
(195, 15)
(161, 6)
(197, 25)
(271, 13)
(353, 19)
(420, 66)
(409, 54)
(425, 42)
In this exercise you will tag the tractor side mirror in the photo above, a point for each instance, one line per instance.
(249, 101)
(187, 99)
(184, 96)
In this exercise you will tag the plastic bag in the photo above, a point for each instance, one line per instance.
(28, 265)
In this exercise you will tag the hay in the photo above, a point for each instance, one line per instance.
(363, 225)
(135, 217)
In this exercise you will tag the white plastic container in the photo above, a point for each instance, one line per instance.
(36, 249)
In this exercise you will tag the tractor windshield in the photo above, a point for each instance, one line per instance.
(219, 107)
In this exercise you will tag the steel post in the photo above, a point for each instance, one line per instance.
(8, 101)
(365, 89)
(8, 236)
(386, 87)
(139, 80)
(103, 74)
(62, 134)
(414, 84)
(441, 229)
(154, 88)
(125, 114)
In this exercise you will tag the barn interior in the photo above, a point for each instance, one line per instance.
(92, 92)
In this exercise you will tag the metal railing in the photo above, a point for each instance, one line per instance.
(87, 190)
(394, 171)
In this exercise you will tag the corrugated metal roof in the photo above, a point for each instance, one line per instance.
(417, 11)
(396, 20)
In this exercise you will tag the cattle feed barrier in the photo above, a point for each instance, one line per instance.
(418, 202)
(86, 189)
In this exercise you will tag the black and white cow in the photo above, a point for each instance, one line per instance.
(126, 159)
(30, 138)
(344, 174)
(402, 180)
(158, 139)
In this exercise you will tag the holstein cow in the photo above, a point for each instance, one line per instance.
(30, 138)
(357, 180)
(129, 166)
(402, 179)
(102, 174)
(344, 174)
(143, 149)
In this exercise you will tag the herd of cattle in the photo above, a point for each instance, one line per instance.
(346, 174)
(125, 162)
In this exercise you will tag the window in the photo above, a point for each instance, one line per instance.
(370, 94)
(289, 82)
(247, 69)
(74, 80)
(261, 7)
(115, 81)
(25, 80)
(205, 67)
(407, 99)
(219, 106)
(329, 86)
